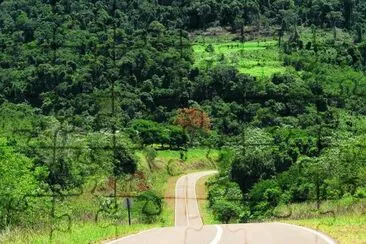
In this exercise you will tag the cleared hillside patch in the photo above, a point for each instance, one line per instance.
(257, 58)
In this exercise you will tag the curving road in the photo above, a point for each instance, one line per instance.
(189, 228)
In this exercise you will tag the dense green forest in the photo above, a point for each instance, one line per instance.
(277, 86)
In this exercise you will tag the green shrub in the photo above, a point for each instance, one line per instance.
(226, 211)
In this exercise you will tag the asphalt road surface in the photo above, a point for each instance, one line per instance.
(189, 228)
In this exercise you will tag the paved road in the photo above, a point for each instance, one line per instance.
(189, 229)
(186, 206)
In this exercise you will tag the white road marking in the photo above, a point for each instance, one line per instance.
(218, 235)
(196, 202)
(176, 198)
(219, 229)
(133, 235)
(177, 185)
(186, 201)
(326, 238)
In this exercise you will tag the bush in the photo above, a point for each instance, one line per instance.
(151, 132)
(16, 180)
(150, 155)
(152, 206)
(255, 166)
(361, 193)
(264, 196)
(225, 211)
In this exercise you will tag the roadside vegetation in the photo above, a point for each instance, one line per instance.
(344, 229)
(83, 209)
(203, 205)
(344, 220)
(87, 232)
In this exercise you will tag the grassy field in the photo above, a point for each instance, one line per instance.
(257, 58)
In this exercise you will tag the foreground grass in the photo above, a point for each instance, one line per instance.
(257, 58)
(344, 220)
(170, 200)
(80, 233)
(345, 229)
(83, 208)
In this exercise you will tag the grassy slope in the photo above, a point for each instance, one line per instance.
(194, 156)
(86, 230)
(346, 223)
(349, 229)
(205, 211)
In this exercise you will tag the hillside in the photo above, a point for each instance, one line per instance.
(104, 99)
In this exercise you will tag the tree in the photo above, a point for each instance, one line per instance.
(335, 18)
(252, 167)
(315, 171)
(151, 132)
(225, 211)
(150, 155)
(148, 131)
(362, 48)
(348, 7)
(263, 197)
(239, 23)
(17, 179)
(194, 121)
(177, 137)
(124, 161)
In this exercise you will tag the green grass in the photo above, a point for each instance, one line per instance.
(201, 192)
(345, 229)
(87, 232)
(83, 208)
(257, 58)
(193, 155)
(344, 207)
(343, 220)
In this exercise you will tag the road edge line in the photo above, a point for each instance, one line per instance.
(176, 199)
(218, 235)
(325, 237)
(213, 172)
(129, 236)
(186, 202)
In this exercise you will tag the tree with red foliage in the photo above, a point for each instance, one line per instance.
(193, 120)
